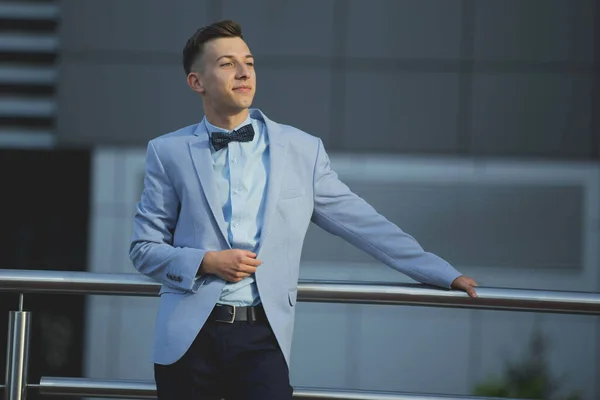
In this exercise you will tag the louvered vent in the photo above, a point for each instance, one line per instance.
(28, 52)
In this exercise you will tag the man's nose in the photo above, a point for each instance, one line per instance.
(243, 72)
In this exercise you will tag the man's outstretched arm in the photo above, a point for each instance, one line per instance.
(341, 212)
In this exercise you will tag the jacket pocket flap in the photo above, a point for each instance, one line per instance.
(169, 289)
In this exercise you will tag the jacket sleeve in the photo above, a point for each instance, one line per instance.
(341, 212)
(151, 250)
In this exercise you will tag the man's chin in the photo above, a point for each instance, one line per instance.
(237, 106)
(244, 105)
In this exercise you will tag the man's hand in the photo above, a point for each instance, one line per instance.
(230, 265)
(465, 284)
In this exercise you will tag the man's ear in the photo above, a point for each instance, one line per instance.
(194, 81)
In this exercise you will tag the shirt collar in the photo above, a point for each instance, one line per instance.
(211, 128)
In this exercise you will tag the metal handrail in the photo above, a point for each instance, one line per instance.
(549, 301)
(135, 389)
(66, 282)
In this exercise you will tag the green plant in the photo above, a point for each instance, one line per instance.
(528, 378)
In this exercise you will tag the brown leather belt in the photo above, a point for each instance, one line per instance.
(230, 314)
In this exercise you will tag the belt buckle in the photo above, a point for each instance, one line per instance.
(232, 315)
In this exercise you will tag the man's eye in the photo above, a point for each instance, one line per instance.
(250, 64)
(226, 64)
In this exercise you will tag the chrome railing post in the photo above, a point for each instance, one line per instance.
(17, 353)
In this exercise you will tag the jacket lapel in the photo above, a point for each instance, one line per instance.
(277, 155)
(203, 164)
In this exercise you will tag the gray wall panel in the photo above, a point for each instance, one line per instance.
(132, 25)
(124, 104)
(400, 112)
(416, 336)
(285, 28)
(325, 325)
(403, 29)
(548, 30)
(532, 114)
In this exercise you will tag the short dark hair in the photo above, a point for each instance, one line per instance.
(195, 45)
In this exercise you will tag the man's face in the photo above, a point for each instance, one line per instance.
(227, 77)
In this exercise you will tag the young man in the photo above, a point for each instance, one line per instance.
(221, 222)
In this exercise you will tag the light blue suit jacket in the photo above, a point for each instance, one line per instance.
(178, 220)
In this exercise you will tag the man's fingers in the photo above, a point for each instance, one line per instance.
(243, 271)
(251, 261)
(249, 269)
(471, 292)
(465, 284)
(241, 275)
(236, 276)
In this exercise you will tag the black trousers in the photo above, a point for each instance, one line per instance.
(239, 361)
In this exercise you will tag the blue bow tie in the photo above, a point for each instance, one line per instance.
(220, 140)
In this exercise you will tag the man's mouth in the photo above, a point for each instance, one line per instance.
(243, 89)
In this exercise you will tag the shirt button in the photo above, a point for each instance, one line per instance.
(236, 191)
(235, 224)
(233, 160)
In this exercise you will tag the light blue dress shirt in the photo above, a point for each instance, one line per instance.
(241, 171)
